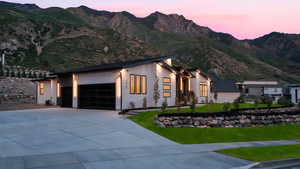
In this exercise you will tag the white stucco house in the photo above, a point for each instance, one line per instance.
(262, 88)
(125, 85)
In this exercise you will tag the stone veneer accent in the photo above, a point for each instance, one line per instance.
(241, 118)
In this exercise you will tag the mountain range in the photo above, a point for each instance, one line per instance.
(57, 39)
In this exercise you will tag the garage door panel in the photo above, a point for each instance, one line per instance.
(97, 96)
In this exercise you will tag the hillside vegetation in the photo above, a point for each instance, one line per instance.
(56, 39)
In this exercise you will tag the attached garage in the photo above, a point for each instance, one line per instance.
(97, 96)
(66, 97)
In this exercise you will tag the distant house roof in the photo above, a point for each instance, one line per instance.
(226, 86)
(113, 66)
(262, 85)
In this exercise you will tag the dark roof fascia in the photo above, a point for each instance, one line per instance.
(168, 67)
(113, 66)
(43, 79)
(200, 71)
(262, 85)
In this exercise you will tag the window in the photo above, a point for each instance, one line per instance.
(138, 84)
(167, 87)
(42, 88)
(203, 90)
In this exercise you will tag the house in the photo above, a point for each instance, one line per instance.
(126, 85)
(293, 92)
(224, 91)
(262, 88)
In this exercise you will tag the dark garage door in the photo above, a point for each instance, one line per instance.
(98, 96)
(66, 97)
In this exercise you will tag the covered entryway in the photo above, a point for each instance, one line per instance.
(66, 97)
(97, 96)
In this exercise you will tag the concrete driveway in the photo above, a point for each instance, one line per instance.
(93, 139)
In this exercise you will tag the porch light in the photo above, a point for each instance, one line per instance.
(75, 86)
(58, 90)
(158, 68)
(118, 87)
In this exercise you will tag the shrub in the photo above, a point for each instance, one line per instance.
(132, 105)
(284, 101)
(145, 102)
(226, 107)
(164, 106)
(178, 104)
(267, 100)
(48, 102)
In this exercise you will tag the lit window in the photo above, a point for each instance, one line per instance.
(42, 88)
(167, 87)
(203, 90)
(138, 84)
(132, 84)
(144, 84)
(166, 80)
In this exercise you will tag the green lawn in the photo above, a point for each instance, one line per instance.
(216, 135)
(264, 153)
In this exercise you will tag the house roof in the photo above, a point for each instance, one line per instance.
(113, 66)
(262, 85)
(226, 86)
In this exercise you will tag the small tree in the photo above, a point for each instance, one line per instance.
(193, 104)
(164, 106)
(226, 107)
(156, 93)
(256, 103)
(236, 104)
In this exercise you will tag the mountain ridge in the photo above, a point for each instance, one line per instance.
(58, 38)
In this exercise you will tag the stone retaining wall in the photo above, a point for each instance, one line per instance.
(242, 118)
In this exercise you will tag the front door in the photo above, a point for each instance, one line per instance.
(66, 97)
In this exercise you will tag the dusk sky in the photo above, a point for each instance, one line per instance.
(241, 18)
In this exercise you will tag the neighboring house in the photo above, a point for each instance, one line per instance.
(262, 88)
(224, 91)
(293, 92)
(124, 85)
